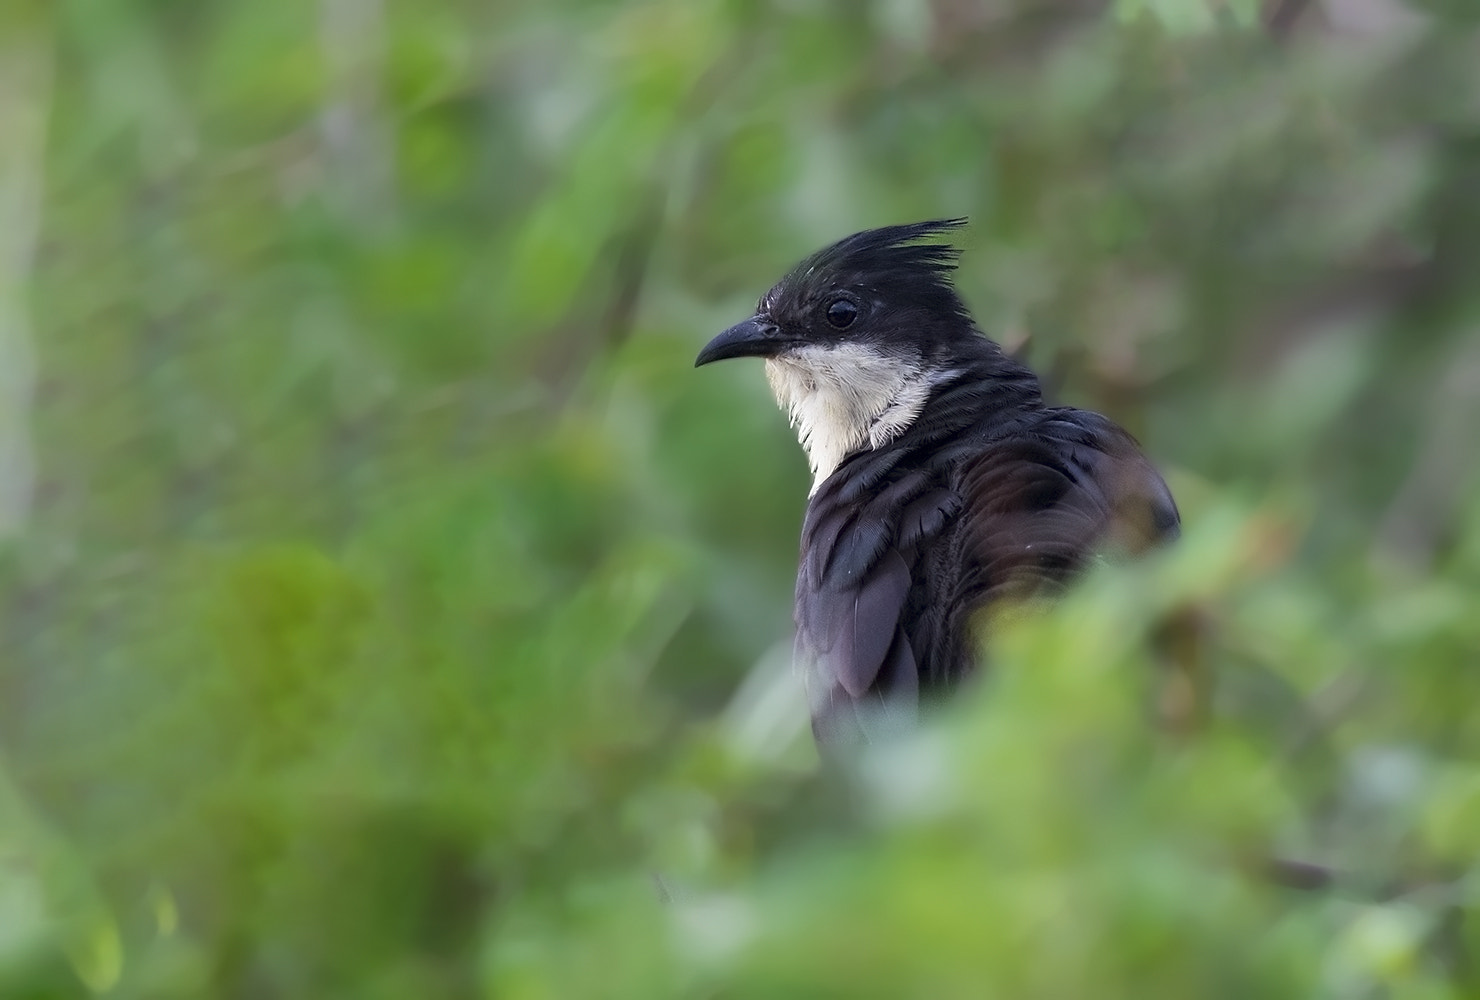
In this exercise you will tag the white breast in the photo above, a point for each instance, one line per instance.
(847, 396)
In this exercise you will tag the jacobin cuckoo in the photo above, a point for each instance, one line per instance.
(942, 482)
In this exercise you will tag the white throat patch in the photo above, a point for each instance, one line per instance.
(843, 397)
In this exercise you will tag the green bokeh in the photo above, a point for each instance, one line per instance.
(394, 612)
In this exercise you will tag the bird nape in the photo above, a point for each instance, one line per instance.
(942, 482)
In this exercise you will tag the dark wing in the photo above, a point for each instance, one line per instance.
(1040, 504)
(860, 542)
(1012, 515)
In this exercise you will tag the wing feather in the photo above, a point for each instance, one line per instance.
(856, 662)
(989, 518)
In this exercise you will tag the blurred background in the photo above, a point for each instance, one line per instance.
(389, 610)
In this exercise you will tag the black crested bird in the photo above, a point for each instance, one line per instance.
(941, 481)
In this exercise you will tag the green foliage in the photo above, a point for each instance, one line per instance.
(392, 611)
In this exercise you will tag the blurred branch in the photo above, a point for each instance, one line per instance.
(1423, 509)
(633, 255)
(1304, 875)
(357, 146)
(630, 249)
(1283, 15)
(25, 93)
(1368, 18)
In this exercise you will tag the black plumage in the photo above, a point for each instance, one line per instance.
(944, 482)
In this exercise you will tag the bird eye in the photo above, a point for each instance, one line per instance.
(841, 313)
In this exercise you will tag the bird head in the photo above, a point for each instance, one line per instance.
(856, 338)
(880, 291)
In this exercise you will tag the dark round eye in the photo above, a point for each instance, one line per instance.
(841, 313)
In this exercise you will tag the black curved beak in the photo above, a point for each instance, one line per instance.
(754, 338)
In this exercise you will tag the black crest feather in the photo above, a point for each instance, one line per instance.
(891, 262)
